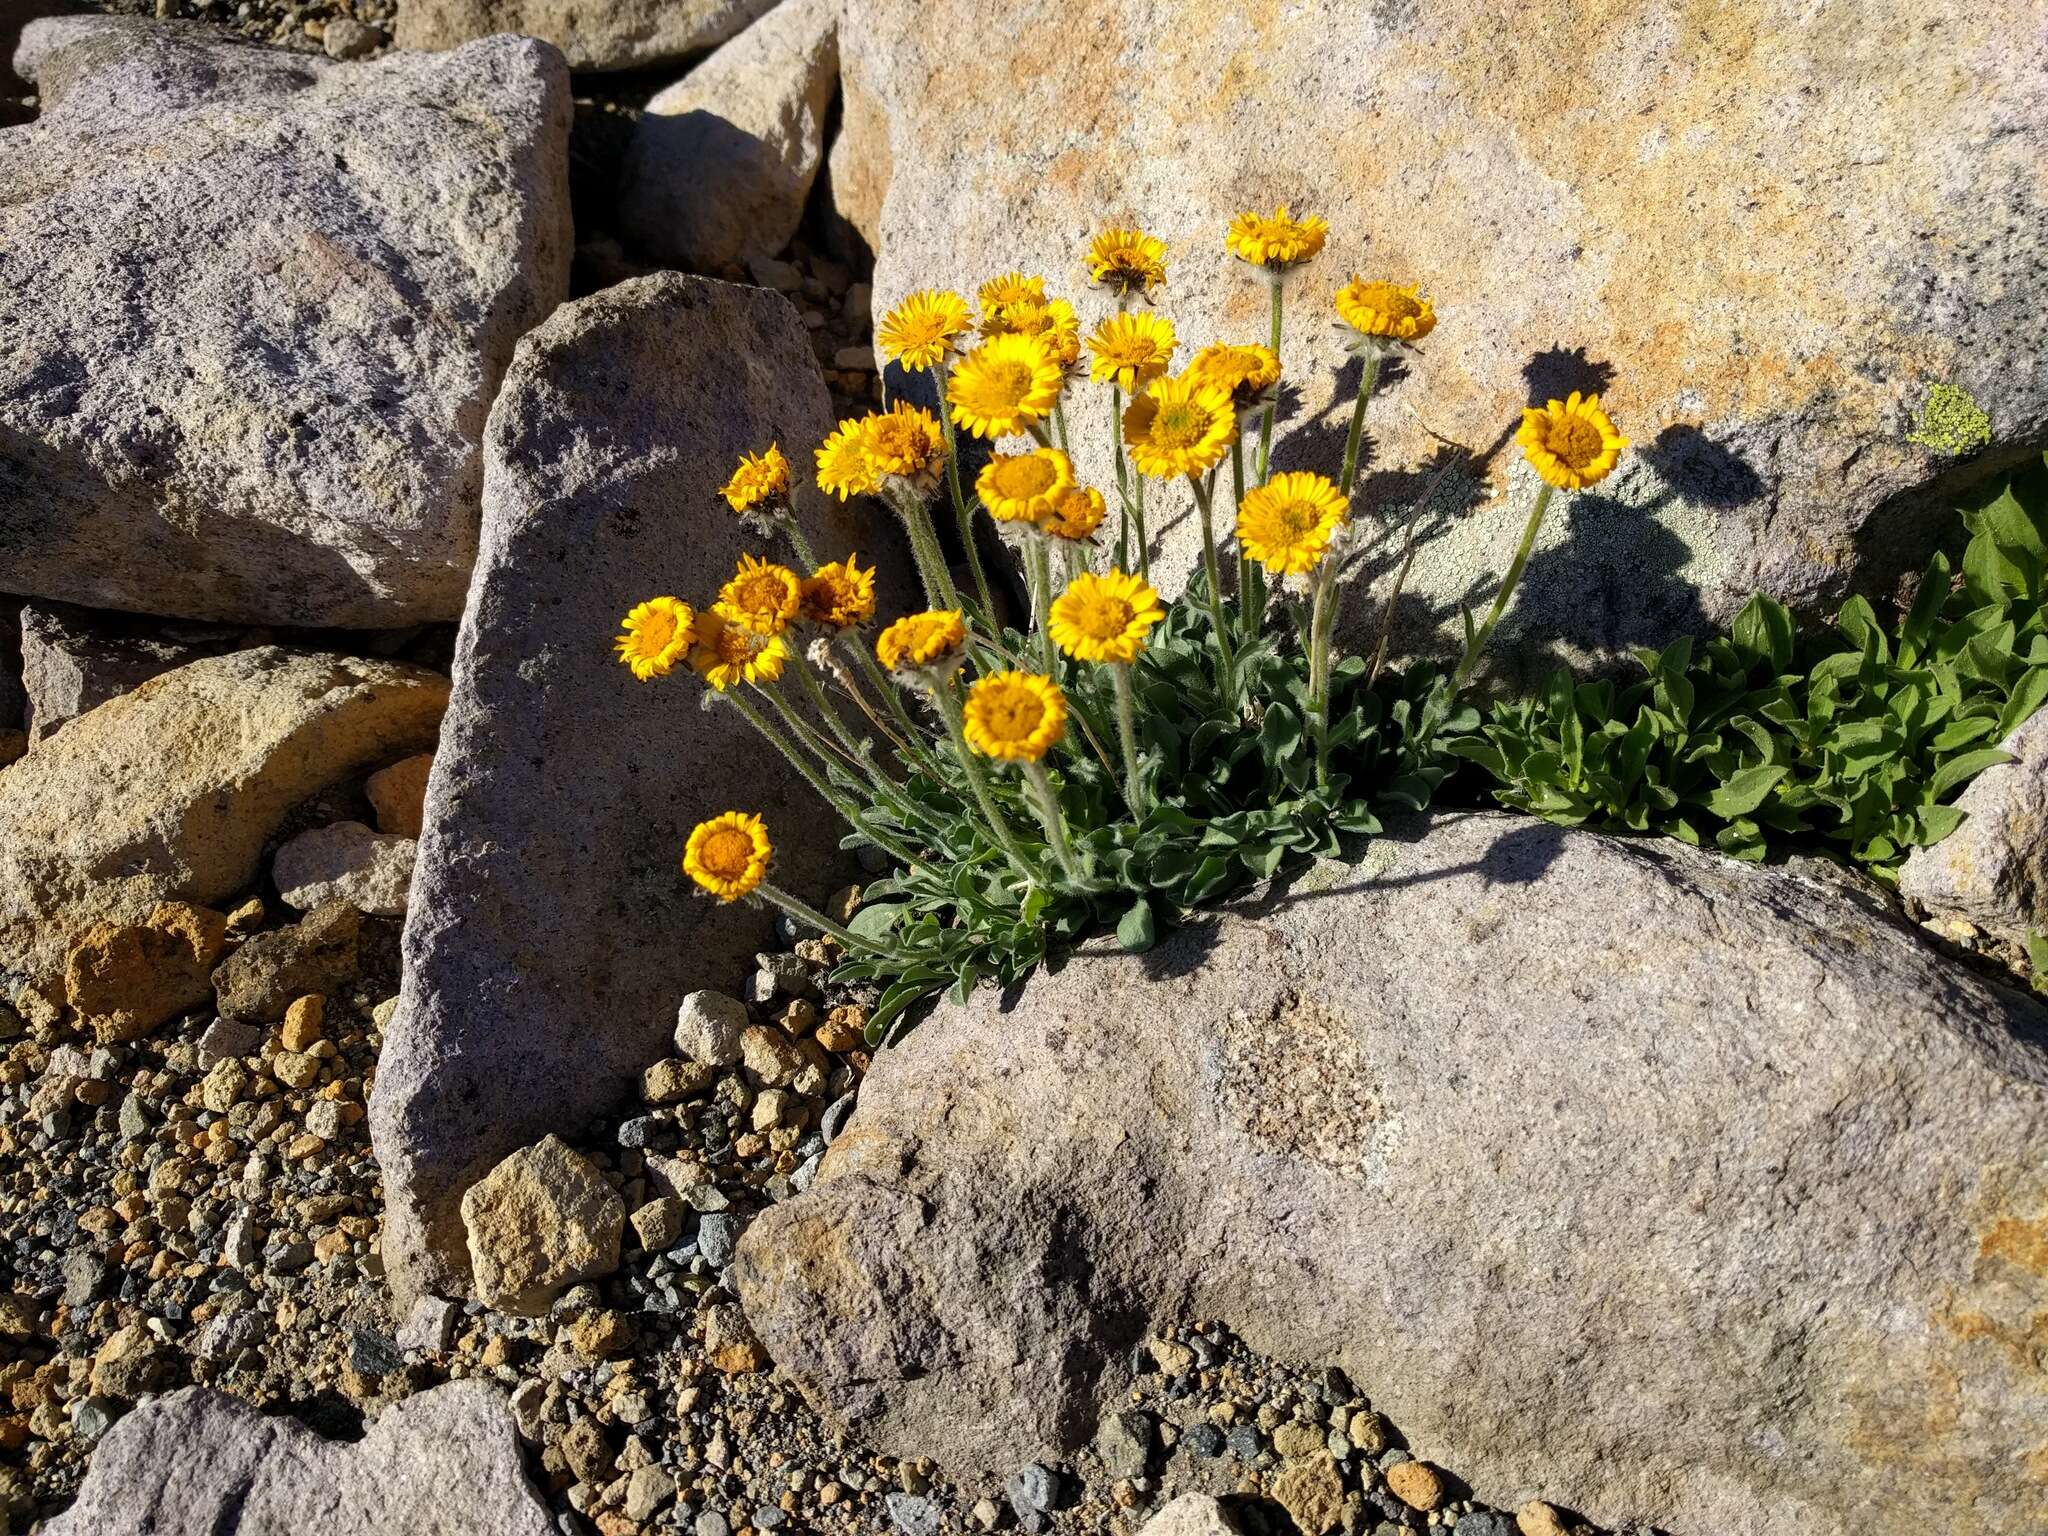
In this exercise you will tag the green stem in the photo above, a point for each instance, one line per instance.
(811, 776)
(1367, 382)
(1123, 489)
(1508, 584)
(1266, 416)
(949, 708)
(805, 913)
(1204, 496)
(1040, 569)
(1144, 543)
(1322, 625)
(1059, 423)
(1251, 586)
(960, 508)
(1050, 817)
(787, 522)
(1127, 730)
(865, 659)
(924, 549)
(801, 665)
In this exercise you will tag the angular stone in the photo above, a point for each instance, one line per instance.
(170, 792)
(1557, 209)
(625, 34)
(1654, 1126)
(1192, 1514)
(73, 658)
(399, 794)
(257, 305)
(430, 1326)
(1312, 1492)
(538, 1223)
(1992, 871)
(346, 861)
(722, 161)
(271, 971)
(708, 1028)
(563, 789)
(199, 1462)
(125, 979)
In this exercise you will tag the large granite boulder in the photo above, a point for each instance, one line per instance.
(1736, 222)
(1672, 1188)
(551, 934)
(254, 307)
(201, 1463)
(620, 34)
(73, 658)
(170, 792)
(722, 160)
(1992, 871)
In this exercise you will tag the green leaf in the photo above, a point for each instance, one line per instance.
(1764, 631)
(1745, 791)
(1960, 770)
(873, 920)
(2028, 695)
(1136, 930)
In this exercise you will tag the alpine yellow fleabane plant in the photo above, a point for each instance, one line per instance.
(1115, 758)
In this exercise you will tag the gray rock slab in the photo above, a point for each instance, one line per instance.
(621, 34)
(1992, 871)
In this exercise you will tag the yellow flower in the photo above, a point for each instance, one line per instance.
(655, 636)
(1052, 320)
(728, 855)
(1571, 443)
(839, 595)
(1179, 427)
(727, 652)
(1381, 309)
(919, 332)
(1104, 618)
(760, 476)
(1244, 373)
(763, 596)
(1131, 350)
(922, 639)
(844, 468)
(1287, 523)
(1022, 487)
(1276, 241)
(904, 441)
(1127, 261)
(1015, 716)
(1000, 293)
(1075, 515)
(1004, 385)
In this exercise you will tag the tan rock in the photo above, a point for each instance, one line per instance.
(672, 1081)
(538, 1223)
(770, 1055)
(129, 1364)
(302, 1022)
(296, 1069)
(1416, 1484)
(1312, 1491)
(729, 1342)
(628, 35)
(209, 758)
(125, 979)
(842, 1029)
(1297, 1438)
(224, 1085)
(1557, 190)
(1368, 1431)
(1537, 1518)
(399, 794)
(601, 1335)
(271, 971)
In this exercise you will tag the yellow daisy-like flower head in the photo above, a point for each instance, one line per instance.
(655, 636)
(1287, 523)
(761, 476)
(919, 332)
(1276, 241)
(1247, 374)
(728, 855)
(1384, 311)
(761, 595)
(840, 595)
(1022, 487)
(1128, 262)
(1004, 385)
(1131, 350)
(1075, 516)
(1017, 717)
(844, 467)
(1179, 427)
(1571, 443)
(934, 638)
(1000, 293)
(1052, 320)
(727, 652)
(1104, 618)
(905, 442)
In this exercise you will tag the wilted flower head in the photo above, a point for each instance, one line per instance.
(839, 595)
(905, 443)
(1075, 515)
(1384, 312)
(759, 478)
(931, 639)
(1128, 262)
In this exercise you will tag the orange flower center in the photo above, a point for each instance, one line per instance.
(1023, 477)
(1576, 441)
(727, 852)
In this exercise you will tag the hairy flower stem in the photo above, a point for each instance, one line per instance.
(924, 549)
(960, 508)
(1322, 626)
(787, 522)
(1123, 488)
(948, 701)
(1053, 819)
(1508, 583)
(803, 912)
(1127, 731)
(1251, 580)
(1040, 569)
(891, 793)
(1144, 543)
(1204, 496)
(823, 705)
(865, 659)
(1059, 423)
(811, 776)
(1367, 382)
(1266, 416)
